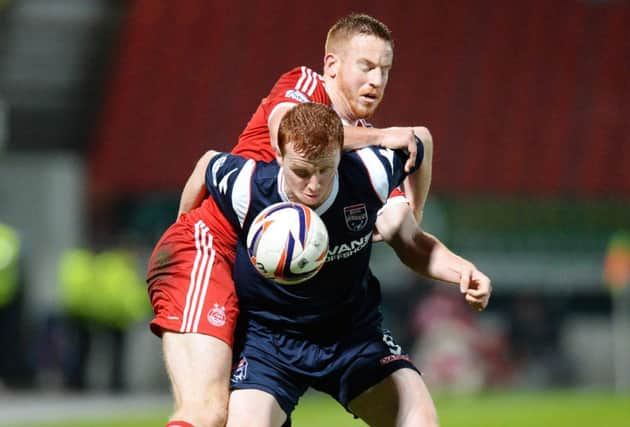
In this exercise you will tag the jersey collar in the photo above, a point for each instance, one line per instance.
(361, 123)
(324, 206)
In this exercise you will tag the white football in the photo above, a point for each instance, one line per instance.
(287, 242)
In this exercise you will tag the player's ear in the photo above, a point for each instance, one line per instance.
(331, 64)
(279, 158)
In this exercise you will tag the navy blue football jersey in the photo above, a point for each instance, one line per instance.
(342, 296)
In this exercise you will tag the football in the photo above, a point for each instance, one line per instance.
(287, 242)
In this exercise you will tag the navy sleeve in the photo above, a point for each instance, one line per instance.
(400, 158)
(224, 176)
(403, 155)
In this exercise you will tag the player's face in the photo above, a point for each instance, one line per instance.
(308, 181)
(362, 75)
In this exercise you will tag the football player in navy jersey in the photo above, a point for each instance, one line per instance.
(326, 332)
(195, 312)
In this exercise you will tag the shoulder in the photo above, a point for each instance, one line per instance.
(372, 158)
(224, 166)
(302, 74)
(370, 168)
(300, 83)
(239, 183)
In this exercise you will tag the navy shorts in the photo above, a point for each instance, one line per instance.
(285, 366)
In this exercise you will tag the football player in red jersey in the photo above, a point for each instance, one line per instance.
(191, 287)
(359, 54)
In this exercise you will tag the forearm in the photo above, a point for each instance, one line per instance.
(443, 264)
(274, 120)
(355, 137)
(191, 197)
(428, 256)
(417, 185)
(195, 188)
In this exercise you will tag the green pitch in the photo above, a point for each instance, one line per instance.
(554, 409)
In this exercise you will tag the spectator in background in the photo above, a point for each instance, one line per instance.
(14, 369)
(101, 293)
(455, 352)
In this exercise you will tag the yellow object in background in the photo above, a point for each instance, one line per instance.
(9, 257)
(105, 287)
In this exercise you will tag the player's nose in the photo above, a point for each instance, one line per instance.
(376, 78)
(314, 183)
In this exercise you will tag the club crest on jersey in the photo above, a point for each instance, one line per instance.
(356, 217)
(239, 371)
(216, 315)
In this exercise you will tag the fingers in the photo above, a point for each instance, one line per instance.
(477, 292)
(377, 237)
(402, 138)
(464, 281)
(477, 303)
(478, 289)
(412, 148)
(482, 285)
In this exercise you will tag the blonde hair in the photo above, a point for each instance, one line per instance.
(312, 128)
(356, 23)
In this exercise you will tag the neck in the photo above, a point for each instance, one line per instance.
(339, 103)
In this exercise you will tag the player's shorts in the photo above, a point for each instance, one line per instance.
(190, 283)
(285, 366)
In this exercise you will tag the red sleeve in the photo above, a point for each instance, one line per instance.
(301, 84)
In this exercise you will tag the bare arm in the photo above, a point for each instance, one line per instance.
(195, 188)
(358, 137)
(274, 122)
(416, 186)
(354, 137)
(426, 255)
(393, 137)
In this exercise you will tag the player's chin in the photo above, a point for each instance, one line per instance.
(310, 201)
(365, 111)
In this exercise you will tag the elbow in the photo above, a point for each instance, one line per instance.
(392, 220)
(427, 140)
(424, 134)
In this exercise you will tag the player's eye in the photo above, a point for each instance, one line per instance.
(364, 66)
(302, 173)
(325, 171)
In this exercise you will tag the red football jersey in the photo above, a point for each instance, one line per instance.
(301, 84)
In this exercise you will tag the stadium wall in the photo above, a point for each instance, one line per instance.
(522, 97)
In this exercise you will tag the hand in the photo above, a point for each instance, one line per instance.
(401, 137)
(376, 236)
(476, 286)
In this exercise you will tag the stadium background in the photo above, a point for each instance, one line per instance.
(105, 105)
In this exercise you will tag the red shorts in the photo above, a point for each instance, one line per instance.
(190, 282)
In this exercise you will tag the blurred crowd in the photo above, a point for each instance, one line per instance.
(100, 293)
